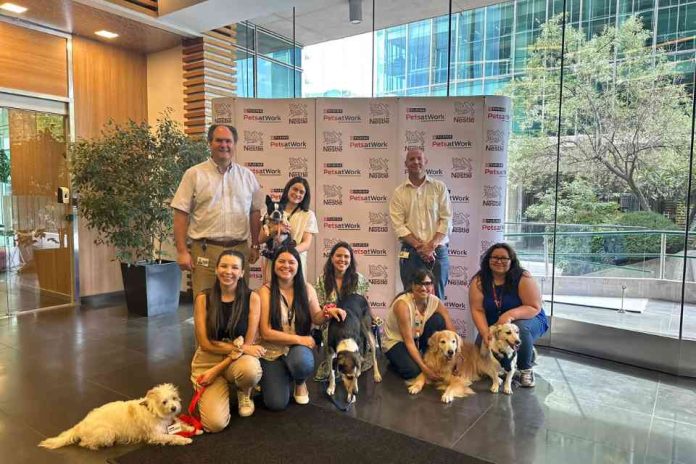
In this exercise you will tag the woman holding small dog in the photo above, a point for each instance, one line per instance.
(226, 319)
(414, 316)
(301, 222)
(339, 279)
(289, 307)
(502, 291)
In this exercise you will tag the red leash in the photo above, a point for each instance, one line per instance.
(193, 418)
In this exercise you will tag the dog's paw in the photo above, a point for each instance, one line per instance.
(447, 397)
(183, 441)
(415, 389)
(351, 399)
(330, 390)
(495, 386)
(378, 377)
(507, 390)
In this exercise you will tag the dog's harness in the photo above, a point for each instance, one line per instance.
(193, 418)
(504, 360)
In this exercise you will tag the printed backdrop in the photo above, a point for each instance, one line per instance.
(352, 153)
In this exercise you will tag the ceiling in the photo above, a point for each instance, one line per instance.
(315, 20)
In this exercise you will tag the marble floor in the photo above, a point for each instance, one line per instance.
(57, 365)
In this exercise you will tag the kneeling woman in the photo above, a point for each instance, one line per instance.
(222, 314)
(289, 306)
(413, 317)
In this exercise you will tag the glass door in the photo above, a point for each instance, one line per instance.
(36, 228)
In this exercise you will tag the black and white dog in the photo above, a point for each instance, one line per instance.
(348, 342)
(272, 221)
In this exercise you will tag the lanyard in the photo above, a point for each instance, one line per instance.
(497, 299)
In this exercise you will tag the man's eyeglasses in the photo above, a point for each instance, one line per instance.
(428, 283)
(500, 259)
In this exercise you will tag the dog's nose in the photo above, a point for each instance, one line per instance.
(173, 408)
(450, 352)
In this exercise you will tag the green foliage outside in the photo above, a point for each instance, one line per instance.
(125, 180)
(649, 243)
(4, 167)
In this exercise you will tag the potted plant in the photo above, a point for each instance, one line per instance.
(125, 180)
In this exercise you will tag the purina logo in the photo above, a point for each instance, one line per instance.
(414, 140)
(253, 141)
(485, 245)
(284, 142)
(223, 112)
(492, 195)
(460, 223)
(337, 223)
(364, 249)
(458, 275)
(259, 169)
(333, 141)
(379, 168)
(494, 169)
(333, 196)
(448, 141)
(378, 274)
(464, 113)
(255, 272)
(364, 195)
(421, 114)
(498, 112)
(329, 244)
(494, 140)
(363, 142)
(336, 115)
(337, 169)
(492, 224)
(379, 222)
(462, 168)
(297, 113)
(298, 167)
(379, 113)
(256, 115)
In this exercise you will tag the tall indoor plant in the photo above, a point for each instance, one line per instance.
(125, 180)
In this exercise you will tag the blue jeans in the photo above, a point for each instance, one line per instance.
(439, 267)
(283, 373)
(398, 355)
(530, 331)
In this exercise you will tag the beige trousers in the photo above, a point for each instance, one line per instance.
(214, 405)
(203, 276)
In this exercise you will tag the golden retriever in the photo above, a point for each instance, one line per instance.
(458, 363)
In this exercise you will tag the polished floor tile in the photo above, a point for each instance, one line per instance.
(55, 366)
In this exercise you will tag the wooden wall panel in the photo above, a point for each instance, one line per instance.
(108, 83)
(33, 61)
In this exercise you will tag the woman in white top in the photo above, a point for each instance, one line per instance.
(413, 317)
(302, 223)
(289, 307)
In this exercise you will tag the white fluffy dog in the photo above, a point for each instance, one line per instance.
(143, 420)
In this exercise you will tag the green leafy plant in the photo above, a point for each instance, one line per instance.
(4, 167)
(126, 179)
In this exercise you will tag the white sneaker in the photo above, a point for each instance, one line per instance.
(301, 399)
(245, 404)
(526, 378)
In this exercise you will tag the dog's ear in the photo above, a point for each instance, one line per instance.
(459, 342)
(434, 339)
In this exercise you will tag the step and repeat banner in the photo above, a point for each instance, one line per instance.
(352, 152)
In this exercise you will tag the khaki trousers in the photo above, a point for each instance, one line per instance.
(203, 276)
(214, 405)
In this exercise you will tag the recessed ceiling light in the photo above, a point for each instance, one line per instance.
(106, 34)
(11, 7)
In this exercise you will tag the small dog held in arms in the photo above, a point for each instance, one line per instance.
(273, 221)
(348, 341)
(459, 363)
(147, 420)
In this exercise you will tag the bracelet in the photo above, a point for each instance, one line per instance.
(325, 311)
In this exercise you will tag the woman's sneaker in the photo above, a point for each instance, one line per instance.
(526, 378)
(245, 404)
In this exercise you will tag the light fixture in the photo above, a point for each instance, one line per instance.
(12, 8)
(355, 11)
(106, 34)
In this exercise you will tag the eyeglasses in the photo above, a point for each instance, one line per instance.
(424, 284)
(500, 259)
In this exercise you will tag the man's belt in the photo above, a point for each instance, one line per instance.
(221, 243)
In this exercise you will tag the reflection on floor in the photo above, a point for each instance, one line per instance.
(22, 292)
(57, 365)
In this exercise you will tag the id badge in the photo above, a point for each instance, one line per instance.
(201, 261)
(403, 254)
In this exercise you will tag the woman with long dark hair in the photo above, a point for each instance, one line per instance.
(301, 221)
(226, 319)
(503, 291)
(289, 307)
(413, 317)
(339, 279)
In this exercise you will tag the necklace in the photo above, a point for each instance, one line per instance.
(497, 299)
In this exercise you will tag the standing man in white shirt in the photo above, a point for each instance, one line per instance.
(217, 206)
(421, 214)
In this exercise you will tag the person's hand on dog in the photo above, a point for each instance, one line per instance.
(184, 261)
(431, 374)
(337, 313)
(307, 341)
(254, 350)
(505, 318)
